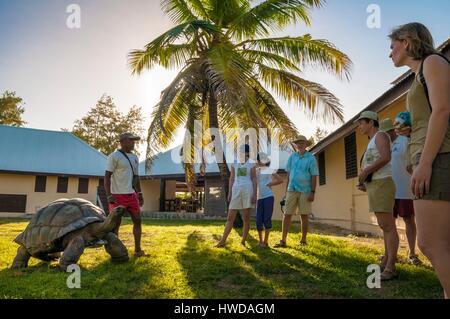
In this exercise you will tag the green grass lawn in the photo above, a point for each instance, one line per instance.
(184, 264)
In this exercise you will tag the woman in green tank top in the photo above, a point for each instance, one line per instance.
(428, 102)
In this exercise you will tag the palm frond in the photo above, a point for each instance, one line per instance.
(268, 58)
(227, 73)
(273, 114)
(312, 97)
(178, 10)
(306, 51)
(269, 16)
(162, 48)
(222, 12)
(169, 114)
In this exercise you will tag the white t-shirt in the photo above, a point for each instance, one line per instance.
(243, 176)
(122, 175)
(399, 162)
(265, 176)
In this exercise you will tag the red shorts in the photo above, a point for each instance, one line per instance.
(129, 201)
(403, 208)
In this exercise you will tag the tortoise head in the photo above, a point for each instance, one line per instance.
(118, 211)
(112, 221)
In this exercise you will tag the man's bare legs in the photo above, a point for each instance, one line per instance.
(287, 221)
(137, 233)
(246, 219)
(305, 227)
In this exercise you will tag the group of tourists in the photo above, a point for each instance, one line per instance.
(251, 185)
(412, 160)
(405, 169)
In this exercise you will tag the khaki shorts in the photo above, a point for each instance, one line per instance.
(241, 199)
(381, 193)
(297, 204)
(440, 178)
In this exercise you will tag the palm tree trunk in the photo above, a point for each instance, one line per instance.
(221, 162)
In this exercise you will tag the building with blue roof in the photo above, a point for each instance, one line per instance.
(39, 166)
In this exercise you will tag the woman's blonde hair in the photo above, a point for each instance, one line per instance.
(421, 43)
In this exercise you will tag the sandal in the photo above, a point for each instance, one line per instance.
(281, 244)
(387, 275)
(414, 260)
(140, 253)
(220, 245)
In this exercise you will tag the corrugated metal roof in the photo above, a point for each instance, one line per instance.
(48, 152)
(169, 163)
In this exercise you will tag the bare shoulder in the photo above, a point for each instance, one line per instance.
(382, 138)
(435, 64)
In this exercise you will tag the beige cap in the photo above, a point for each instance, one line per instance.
(386, 125)
(130, 136)
(302, 138)
(263, 158)
(369, 115)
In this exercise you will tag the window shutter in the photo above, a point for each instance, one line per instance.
(351, 162)
(322, 173)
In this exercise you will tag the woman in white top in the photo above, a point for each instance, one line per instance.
(376, 179)
(242, 195)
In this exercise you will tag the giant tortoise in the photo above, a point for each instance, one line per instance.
(69, 226)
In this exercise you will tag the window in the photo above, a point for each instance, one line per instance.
(63, 183)
(351, 162)
(13, 203)
(322, 176)
(40, 184)
(83, 185)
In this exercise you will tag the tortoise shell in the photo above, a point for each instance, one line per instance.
(51, 223)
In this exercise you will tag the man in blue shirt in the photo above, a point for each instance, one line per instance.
(302, 173)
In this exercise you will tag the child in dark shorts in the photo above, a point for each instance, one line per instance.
(267, 178)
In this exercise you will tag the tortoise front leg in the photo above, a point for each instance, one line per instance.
(115, 248)
(21, 259)
(72, 253)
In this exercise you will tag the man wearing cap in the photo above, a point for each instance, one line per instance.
(376, 179)
(404, 206)
(302, 173)
(122, 185)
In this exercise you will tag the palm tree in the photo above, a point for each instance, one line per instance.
(231, 68)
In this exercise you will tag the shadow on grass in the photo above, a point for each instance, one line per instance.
(324, 269)
(132, 279)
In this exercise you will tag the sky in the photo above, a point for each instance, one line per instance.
(60, 72)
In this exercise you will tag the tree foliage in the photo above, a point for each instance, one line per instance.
(11, 109)
(103, 124)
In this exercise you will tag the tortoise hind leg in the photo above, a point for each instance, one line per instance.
(21, 259)
(72, 253)
(115, 248)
